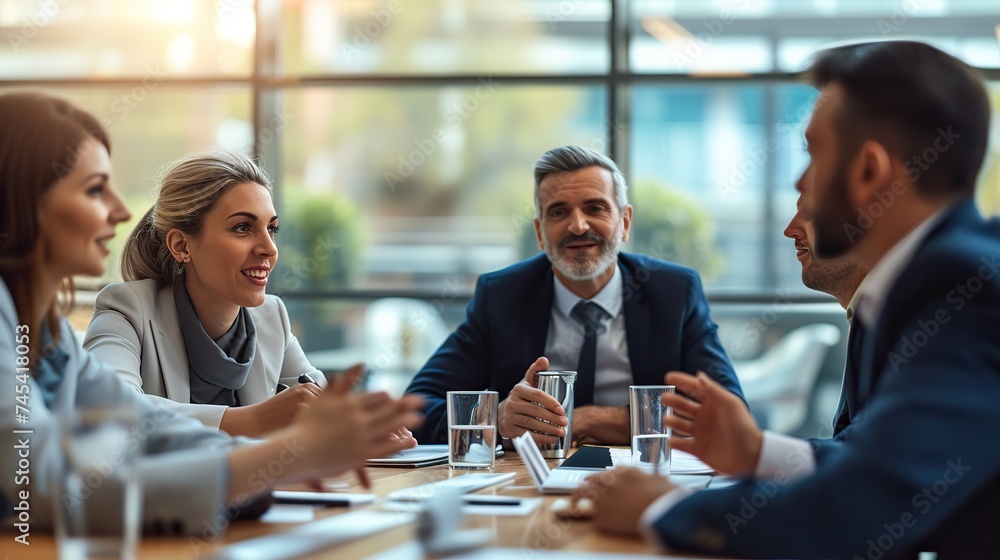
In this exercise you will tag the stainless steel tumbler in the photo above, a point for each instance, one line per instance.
(559, 384)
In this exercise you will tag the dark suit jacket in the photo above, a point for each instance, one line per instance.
(918, 467)
(667, 328)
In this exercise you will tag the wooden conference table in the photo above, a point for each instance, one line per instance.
(539, 530)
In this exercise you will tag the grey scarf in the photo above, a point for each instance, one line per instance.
(217, 368)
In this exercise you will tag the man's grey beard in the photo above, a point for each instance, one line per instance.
(586, 269)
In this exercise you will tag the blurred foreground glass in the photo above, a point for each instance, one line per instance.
(98, 501)
(472, 429)
(650, 438)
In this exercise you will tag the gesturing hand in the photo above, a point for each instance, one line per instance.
(724, 434)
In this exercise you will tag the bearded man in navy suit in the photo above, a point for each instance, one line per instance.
(617, 319)
(896, 141)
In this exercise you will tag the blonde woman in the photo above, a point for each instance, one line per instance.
(192, 327)
(58, 209)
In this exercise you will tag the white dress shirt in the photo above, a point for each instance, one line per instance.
(613, 372)
(793, 456)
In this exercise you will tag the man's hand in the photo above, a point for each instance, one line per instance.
(620, 496)
(405, 436)
(527, 408)
(725, 435)
(608, 425)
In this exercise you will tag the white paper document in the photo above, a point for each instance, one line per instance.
(313, 537)
(283, 513)
(412, 551)
(475, 504)
(419, 456)
(681, 462)
(462, 483)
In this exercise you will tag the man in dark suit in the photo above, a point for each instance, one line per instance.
(896, 142)
(615, 318)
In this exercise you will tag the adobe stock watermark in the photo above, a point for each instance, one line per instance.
(268, 133)
(132, 443)
(380, 19)
(417, 324)
(294, 275)
(755, 158)
(32, 25)
(709, 31)
(123, 105)
(914, 169)
(425, 147)
(911, 343)
(530, 207)
(901, 14)
(561, 13)
(758, 324)
(923, 501)
(796, 461)
(226, 6)
(260, 481)
(546, 536)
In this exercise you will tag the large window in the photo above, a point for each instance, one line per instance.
(401, 134)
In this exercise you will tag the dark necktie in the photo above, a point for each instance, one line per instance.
(848, 398)
(591, 315)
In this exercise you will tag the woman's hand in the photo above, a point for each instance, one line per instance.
(336, 433)
(341, 431)
(277, 412)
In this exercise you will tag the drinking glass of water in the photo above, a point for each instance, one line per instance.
(98, 501)
(650, 438)
(472, 429)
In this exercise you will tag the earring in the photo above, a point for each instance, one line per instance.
(180, 268)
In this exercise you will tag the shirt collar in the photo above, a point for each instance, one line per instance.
(872, 292)
(609, 298)
(853, 304)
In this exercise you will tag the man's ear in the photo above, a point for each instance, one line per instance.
(177, 243)
(870, 172)
(538, 233)
(627, 222)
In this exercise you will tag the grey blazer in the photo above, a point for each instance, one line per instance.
(184, 488)
(135, 331)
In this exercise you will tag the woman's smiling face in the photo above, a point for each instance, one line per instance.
(78, 215)
(233, 255)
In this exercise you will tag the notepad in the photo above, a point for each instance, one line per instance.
(424, 455)
(589, 457)
(463, 483)
(680, 462)
(313, 537)
(477, 504)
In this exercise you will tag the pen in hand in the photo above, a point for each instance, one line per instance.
(304, 378)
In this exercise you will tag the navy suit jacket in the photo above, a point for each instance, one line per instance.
(917, 468)
(667, 327)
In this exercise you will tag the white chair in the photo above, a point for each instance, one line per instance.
(400, 335)
(778, 384)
